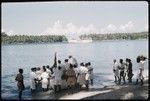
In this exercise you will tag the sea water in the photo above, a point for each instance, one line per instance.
(100, 54)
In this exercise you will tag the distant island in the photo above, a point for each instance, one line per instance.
(6, 39)
(116, 36)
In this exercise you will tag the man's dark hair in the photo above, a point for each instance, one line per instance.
(82, 64)
(59, 67)
(59, 61)
(20, 70)
(66, 60)
(89, 63)
(121, 60)
(47, 66)
(70, 56)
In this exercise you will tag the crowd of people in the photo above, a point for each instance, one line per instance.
(123, 70)
(62, 75)
(69, 74)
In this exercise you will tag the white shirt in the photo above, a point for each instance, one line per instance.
(72, 61)
(142, 64)
(115, 66)
(58, 73)
(82, 69)
(33, 75)
(44, 75)
(62, 67)
(48, 71)
(67, 65)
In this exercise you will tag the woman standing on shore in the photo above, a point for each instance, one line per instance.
(20, 82)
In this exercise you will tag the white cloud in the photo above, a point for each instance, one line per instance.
(10, 32)
(60, 29)
(111, 28)
(127, 27)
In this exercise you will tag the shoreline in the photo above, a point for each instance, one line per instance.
(123, 92)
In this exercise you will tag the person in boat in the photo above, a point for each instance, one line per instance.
(33, 78)
(82, 70)
(45, 78)
(140, 61)
(73, 61)
(129, 71)
(57, 75)
(121, 71)
(91, 72)
(20, 82)
(71, 77)
(116, 70)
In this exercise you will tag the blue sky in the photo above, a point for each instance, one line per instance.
(36, 18)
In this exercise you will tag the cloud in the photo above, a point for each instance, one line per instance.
(111, 28)
(61, 29)
(10, 32)
(68, 29)
(127, 27)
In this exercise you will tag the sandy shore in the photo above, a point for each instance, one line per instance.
(124, 92)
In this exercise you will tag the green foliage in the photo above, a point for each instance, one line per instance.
(32, 39)
(116, 36)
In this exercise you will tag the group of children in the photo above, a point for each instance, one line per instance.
(124, 69)
(62, 75)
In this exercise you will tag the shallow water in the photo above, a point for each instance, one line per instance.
(100, 54)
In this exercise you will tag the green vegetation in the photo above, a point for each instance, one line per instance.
(6, 39)
(116, 36)
(31, 39)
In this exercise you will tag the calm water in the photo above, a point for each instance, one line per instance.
(100, 54)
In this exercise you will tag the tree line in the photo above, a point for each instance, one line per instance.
(6, 39)
(116, 36)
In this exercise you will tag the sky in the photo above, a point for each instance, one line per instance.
(74, 17)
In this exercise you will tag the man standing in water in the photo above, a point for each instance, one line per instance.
(73, 61)
(122, 68)
(20, 82)
(141, 61)
(116, 70)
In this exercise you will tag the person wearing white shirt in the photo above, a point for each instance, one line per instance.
(57, 75)
(45, 78)
(63, 70)
(141, 61)
(87, 76)
(38, 73)
(82, 71)
(90, 72)
(49, 73)
(66, 64)
(33, 78)
(122, 73)
(73, 61)
(116, 70)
